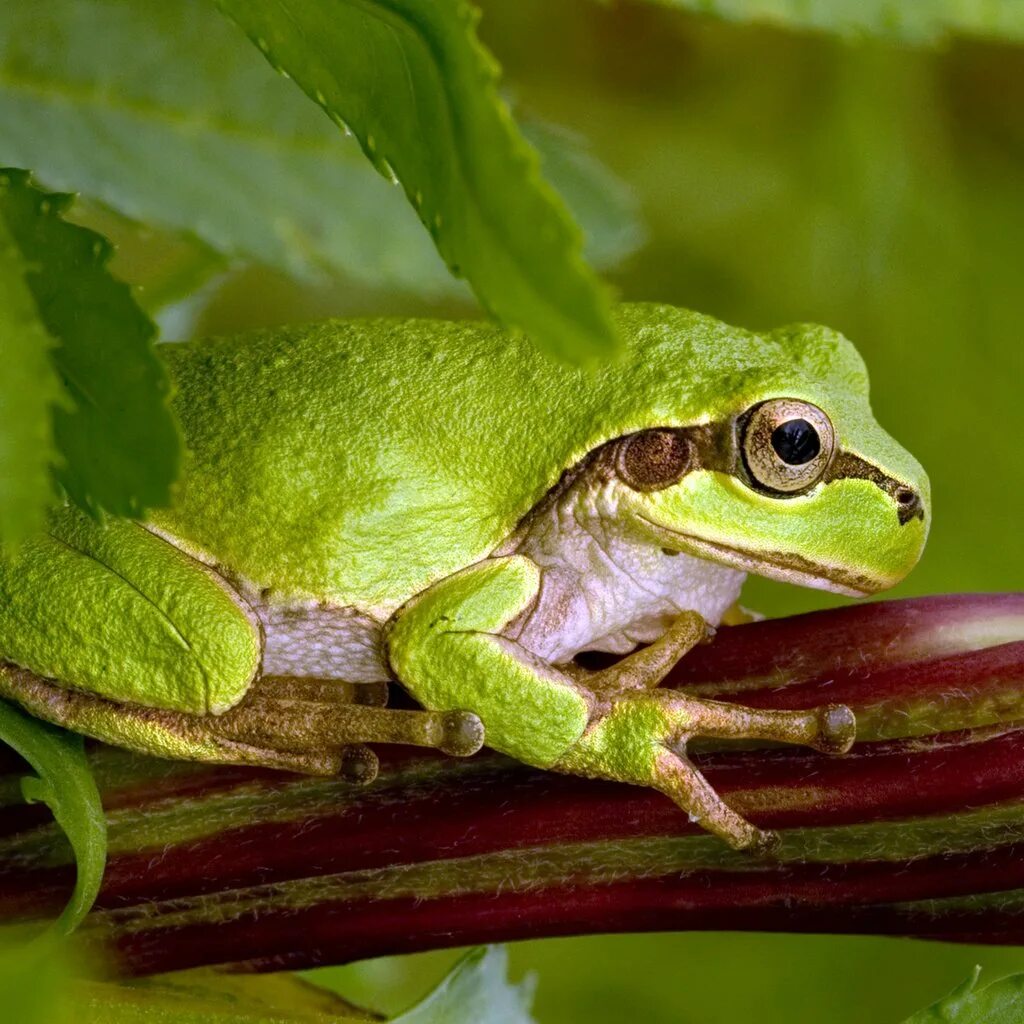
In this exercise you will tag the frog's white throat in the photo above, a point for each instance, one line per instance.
(604, 585)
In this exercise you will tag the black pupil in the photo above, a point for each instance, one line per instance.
(796, 442)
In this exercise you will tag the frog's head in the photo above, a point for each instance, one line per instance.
(786, 474)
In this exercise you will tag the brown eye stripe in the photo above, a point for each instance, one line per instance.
(847, 466)
(651, 460)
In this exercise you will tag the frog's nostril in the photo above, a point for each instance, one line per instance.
(909, 502)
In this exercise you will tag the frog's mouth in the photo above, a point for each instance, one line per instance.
(783, 566)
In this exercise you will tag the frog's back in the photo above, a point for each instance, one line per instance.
(358, 461)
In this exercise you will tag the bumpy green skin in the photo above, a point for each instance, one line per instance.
(123, 614)
(360, 461)
(374, 464)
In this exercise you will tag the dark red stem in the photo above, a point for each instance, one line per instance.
(920, 830)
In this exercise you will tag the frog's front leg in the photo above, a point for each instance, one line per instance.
(447, 646)
(641, 738)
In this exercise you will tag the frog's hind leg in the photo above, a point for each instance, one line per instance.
(123, 636)
(307, 715)
(243, 729)
(317, 727)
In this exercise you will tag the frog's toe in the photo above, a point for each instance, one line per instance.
(643, 739)
(359, 764)
(676, 777)
(830, 728)
(837, 729)
(766, 844)
(461, 733)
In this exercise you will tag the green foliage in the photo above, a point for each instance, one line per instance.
(1002, 1002)
(28, 391)
(65, 784)
(114, 445)
(217, 145)
(258, 173)
(412, 82)
(785, 177)
(476, 992)
(42, 982)
(919, 21)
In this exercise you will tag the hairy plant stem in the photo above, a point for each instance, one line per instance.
(918, 831)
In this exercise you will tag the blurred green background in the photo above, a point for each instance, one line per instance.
(783, 176)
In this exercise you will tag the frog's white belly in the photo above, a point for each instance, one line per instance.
(604, 591)
(604, 585)
(322, 642)
(608, 597)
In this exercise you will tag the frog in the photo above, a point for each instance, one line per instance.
(439, 505)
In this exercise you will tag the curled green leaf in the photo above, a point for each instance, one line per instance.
(413, 83)
(476, 991)
(65, 784)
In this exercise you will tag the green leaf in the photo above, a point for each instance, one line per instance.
(605, 207)
(1002, 1002)
(118, 445)
(28, 390)
(921, 21)
(41, 982)
(94, 95)
(65, 783)
(476, 991)
(414, 84)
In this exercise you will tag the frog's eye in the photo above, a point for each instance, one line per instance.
(787, 444)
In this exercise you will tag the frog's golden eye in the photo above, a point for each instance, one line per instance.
(787, 444)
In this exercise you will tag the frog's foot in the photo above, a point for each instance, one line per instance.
(318, 727)
(641, 738)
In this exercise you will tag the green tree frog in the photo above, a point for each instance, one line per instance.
(439, 505)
